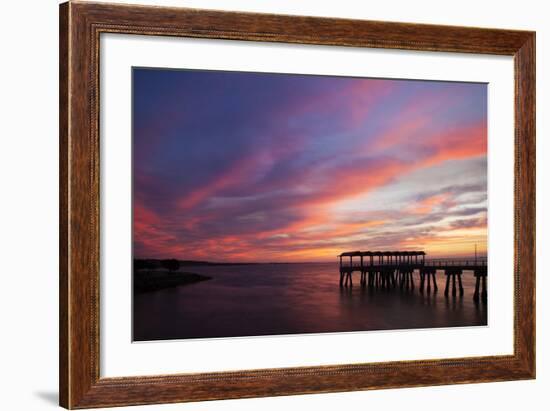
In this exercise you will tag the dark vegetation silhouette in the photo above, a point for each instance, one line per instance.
(144, 265)
(152, 275)
(171, 264)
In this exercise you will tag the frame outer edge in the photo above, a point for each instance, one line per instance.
(80, 383)
(526, 200)
(64, 379)
(77, 185)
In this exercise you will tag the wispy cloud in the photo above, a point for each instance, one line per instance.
(244, 166)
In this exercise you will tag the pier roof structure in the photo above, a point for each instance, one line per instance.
(388, 253)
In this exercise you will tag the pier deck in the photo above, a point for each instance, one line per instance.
(396, 268)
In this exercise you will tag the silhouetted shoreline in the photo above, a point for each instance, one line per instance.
(153, 263)
(145, 281)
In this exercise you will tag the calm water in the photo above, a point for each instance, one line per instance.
(267, 299)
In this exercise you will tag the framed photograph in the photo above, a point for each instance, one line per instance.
(259, 205)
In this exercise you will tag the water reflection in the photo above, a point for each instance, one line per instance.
(270, 299)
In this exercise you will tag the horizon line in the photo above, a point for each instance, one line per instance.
(289, 262)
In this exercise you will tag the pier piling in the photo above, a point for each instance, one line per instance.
(454, 274)
(481, 277)
(427, 278)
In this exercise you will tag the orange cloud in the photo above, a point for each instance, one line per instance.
(457, 144)
(427, 205)
(235, 175)
(400, 134)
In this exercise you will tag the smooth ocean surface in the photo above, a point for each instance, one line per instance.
(270, 299)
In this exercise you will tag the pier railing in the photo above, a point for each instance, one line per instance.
(442, 262)
(446, 262)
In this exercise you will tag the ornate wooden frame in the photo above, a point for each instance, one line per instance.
(81, 24)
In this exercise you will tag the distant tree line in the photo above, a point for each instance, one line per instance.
(172, 264)
(169, 264)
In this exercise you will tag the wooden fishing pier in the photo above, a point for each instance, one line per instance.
(390, 269)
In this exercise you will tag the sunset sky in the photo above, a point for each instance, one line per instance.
(232, 166)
